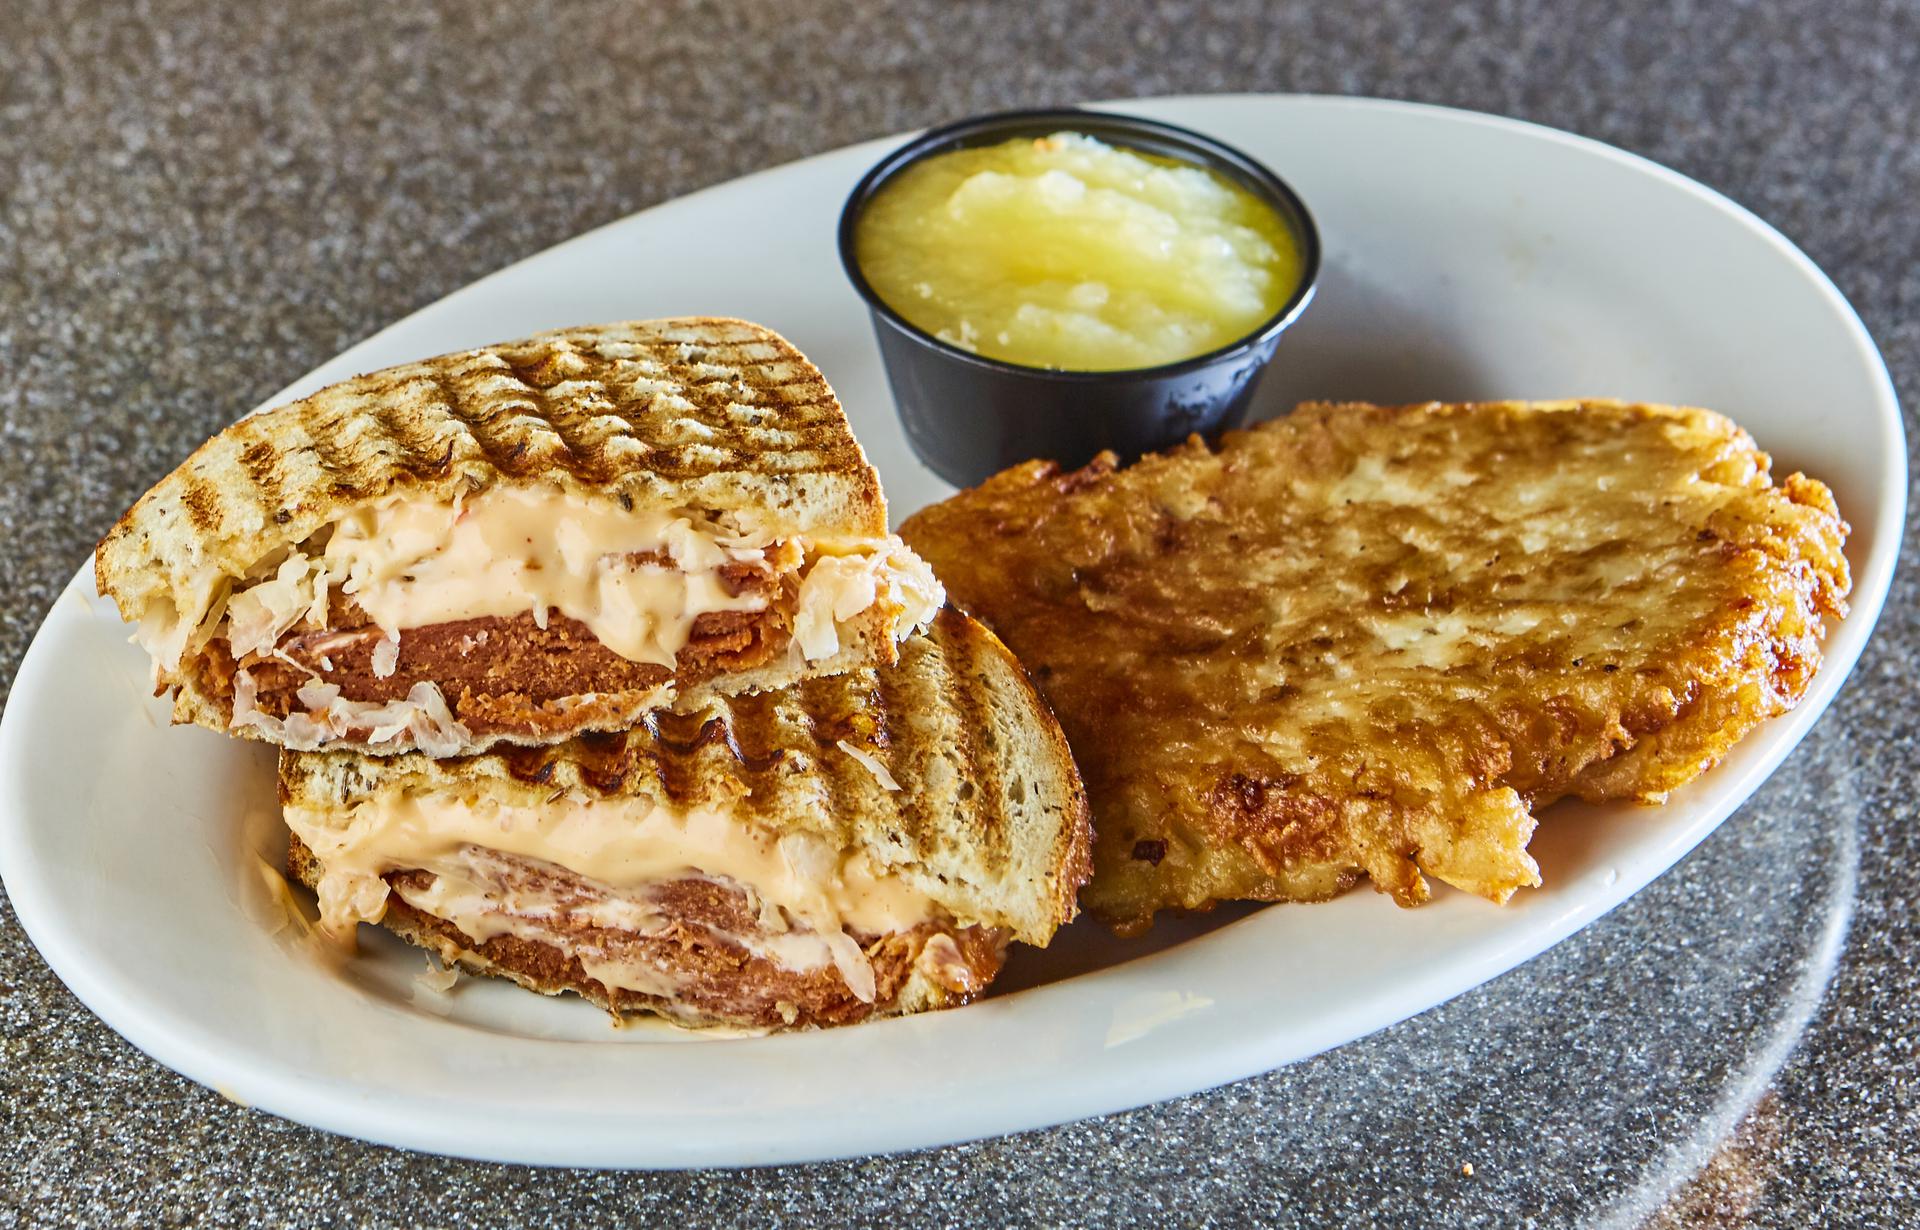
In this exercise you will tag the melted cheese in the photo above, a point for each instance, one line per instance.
(810, 895)
(412, 563)
(638, 579)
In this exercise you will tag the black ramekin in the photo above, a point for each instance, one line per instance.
(968, 416)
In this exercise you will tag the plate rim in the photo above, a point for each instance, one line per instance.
(286, 1091)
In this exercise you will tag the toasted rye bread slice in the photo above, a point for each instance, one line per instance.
(1367, 640)
(699, 413)
(989, 820)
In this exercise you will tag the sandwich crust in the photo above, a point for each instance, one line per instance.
(702, 413)
(1370, 641)
(988, 821)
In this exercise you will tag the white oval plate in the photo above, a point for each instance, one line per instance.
(1465, 257)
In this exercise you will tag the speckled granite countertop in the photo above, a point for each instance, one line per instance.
(202, 201)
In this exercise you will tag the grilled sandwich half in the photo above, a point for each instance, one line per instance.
(850, 847)
(518, 543)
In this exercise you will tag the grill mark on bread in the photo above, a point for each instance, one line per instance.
(202, 504)
(262, 463)
(976, 724)
(504, 436)
(337, 456)
(896, 712)
(565, 421)
(421, 448)
(750, 724)
(679, 736)
(853, 718)
(809, 434)
(546, 370)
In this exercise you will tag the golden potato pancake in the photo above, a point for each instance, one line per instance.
(1368, 640)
